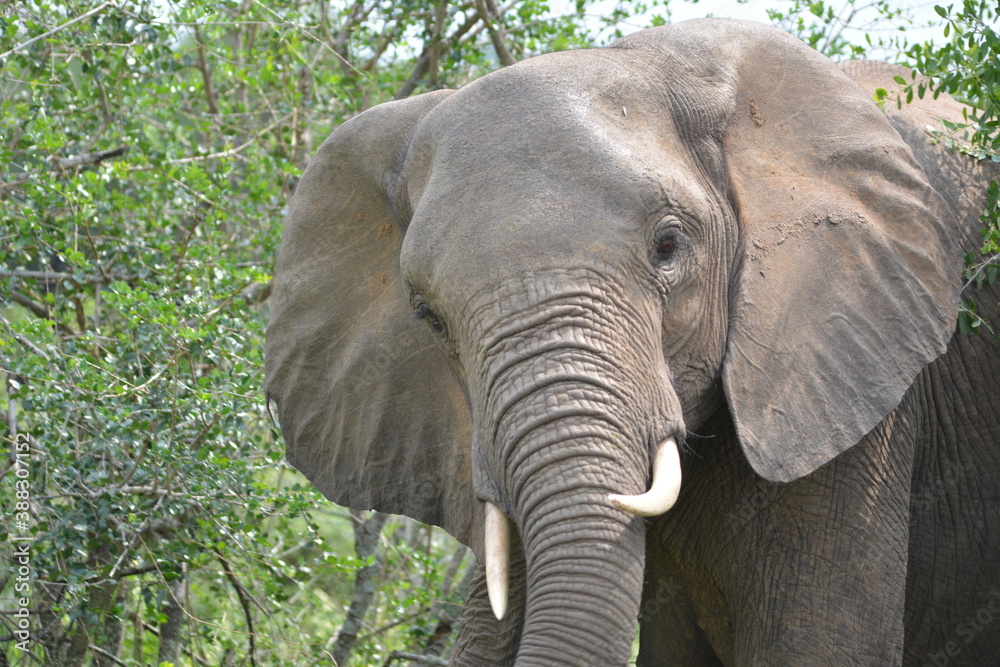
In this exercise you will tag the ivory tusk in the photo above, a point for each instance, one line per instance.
(663, 491)
(497, 558)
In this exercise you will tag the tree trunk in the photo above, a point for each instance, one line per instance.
(171, 630)
(111, 630)
(366, 538)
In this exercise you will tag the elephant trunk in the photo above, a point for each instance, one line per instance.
(584, 578)
(573, 431)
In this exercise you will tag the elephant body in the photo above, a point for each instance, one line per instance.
(512, 304)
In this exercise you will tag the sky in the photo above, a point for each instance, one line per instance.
(921, 11)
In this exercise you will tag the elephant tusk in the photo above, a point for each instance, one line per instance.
(497, 558)
(663, 491)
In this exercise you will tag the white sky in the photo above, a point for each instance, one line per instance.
(921, 11)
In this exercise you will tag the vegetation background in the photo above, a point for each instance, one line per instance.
(147, 152)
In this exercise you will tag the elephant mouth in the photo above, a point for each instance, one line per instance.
(660, 497)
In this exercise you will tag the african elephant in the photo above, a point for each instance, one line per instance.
(698, 269)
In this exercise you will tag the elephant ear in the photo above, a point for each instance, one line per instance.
(849, 279)
(370, 409)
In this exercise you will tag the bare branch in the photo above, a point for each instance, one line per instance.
(67, 163)
(131, 572)
(366, 539)
(37, 309)
(231, 152)
(436, 43)
(339, 43)
(171, 639)
(319, 41)
(56, 29)
(206, 72)
(490, 15)
(188, 652)
(22, 340)
(992, 260)
(385, 39)
(423, 62)
(36, 275)
(88, 158)
(414, 657)
(100, 651)
(245, 598)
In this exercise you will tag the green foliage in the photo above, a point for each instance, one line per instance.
(968, 67)
(980, 271)
(135, 249)
(844, 31)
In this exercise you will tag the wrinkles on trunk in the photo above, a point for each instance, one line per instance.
(583, 587)
(570, 398)
(584, 557)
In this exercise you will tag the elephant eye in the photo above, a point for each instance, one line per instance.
(424, 312)
(665, 247)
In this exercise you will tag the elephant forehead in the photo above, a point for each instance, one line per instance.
(533, 168)
(577, 116)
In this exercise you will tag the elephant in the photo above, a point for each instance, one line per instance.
(665, 332)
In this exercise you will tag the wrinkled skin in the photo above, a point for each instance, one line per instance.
(513, 292)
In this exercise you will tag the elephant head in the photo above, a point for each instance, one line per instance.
(507, 305)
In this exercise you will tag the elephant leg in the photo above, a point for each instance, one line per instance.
(669, 633)
(482, 640)
(812, 572)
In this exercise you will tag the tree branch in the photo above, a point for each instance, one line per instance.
(56, 29)
(206, 73)
(171, 629)
(94, 157)
(414, 657)
(423, 62)
(490, 15)
(339, 43)
(436, 44)
(188, 652)
(231, 152)
(36, 308)
(22, 340)
(67, 163)
(244, 597)
(385, 39)
(131, 572)
(366, 534)
(100, 651)
(992, 260)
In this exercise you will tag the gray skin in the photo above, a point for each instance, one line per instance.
(512, 292)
